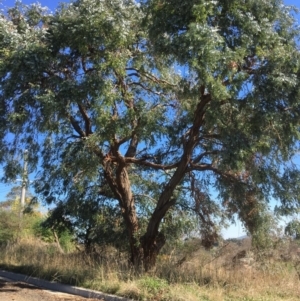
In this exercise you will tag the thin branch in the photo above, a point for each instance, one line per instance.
(142, 162)
(283, 109)
(123, 140)
(201, 156)
(115, 111)
(83, 63)
(134, 74)
(209, 167)
(147, 196)
(87, 120)
(144, 87)
(150, 76)
(75, 179)
(209, 136)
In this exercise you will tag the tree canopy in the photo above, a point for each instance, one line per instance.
(165, 108)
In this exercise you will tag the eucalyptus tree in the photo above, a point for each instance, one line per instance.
(159, 104)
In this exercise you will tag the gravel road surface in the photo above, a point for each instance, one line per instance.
(19, 291)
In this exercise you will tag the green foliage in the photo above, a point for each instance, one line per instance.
(12, 226)
(66, 241)
(264, 235)
(293, 229)
(153, 285)
(89, 221)
(142, 111)
(9, 226)
(45, 234)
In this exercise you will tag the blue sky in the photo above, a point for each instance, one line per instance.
(234, 230)
(52, 4)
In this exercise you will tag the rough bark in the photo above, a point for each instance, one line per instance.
(119, 182)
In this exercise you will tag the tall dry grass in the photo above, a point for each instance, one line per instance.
(202, 275)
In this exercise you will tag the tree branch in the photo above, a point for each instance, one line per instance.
(150, 76)
(142, 162)
(165, 200)
(87, 120)
(76, 126)
(131, 151)
(209, 167)
(201, 156)
(144, 87)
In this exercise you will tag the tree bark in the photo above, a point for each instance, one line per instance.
(151, 248)
(120, 185)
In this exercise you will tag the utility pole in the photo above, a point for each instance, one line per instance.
(24, 183)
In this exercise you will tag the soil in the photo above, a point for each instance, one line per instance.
(19, 291)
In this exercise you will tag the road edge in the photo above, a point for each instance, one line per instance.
(59, 287)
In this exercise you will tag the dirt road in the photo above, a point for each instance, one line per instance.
(19, 291)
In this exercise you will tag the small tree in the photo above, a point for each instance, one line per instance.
(293, 229)
(11, 227)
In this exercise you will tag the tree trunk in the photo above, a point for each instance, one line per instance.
(153, 240)
(151, 248)
(136, 255)
(88, 244)
(121, 187)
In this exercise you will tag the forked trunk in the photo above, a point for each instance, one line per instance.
(145, 250)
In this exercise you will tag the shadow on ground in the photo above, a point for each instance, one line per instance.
(10, 286)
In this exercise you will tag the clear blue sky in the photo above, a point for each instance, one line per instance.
(232, 231)
(52, 4)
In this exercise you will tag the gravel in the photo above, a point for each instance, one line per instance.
(20, 291)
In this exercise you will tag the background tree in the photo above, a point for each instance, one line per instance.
(293, 229)
(159, 103)
(11, 226)
(12, 201)
(91, 219)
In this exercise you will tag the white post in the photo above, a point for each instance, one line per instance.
(24, 183)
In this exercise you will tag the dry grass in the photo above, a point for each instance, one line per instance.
(201, 276)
